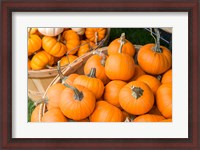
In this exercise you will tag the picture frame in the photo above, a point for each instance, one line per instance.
(10, 6)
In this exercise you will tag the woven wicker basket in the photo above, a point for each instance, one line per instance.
(38, 81)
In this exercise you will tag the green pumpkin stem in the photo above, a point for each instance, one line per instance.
(92, 73)
(122, 42)
(137, 92)
(157, 48)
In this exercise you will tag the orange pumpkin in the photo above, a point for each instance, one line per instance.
(167, 77)
(111, 92)
(91, 82)
(53, 46)
(34, 43)
(127, 47)
(149, 118)
(54, 115)
(166, 120)
(151, 81)
(97, 61)
(105, 112)
(138, 72)
(38, 112)
(95, 34)
(77, 102)
(41, 59)
(84, 48)
(72, 40)
(66, 60)
(164, 99)
(136, 98)
(70, 79)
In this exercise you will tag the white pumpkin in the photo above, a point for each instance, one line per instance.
(79, 31)
(50, 31)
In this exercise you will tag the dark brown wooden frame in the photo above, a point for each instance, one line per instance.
(9, 6)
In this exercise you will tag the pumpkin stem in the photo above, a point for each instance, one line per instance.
(137, 92)
(59, 36)
(122, 42)
(92, 73)
(157, 48)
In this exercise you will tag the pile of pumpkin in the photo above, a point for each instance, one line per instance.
(48, 45)
(114, 88)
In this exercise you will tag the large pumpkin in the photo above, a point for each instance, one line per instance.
(167, 77)
(164, 99)
(127, 47)
(105, 112)
(149, 118)
(77, 102)
(50, 31)
(34, 43)
(91, 82)
(136, 98)
(54, 115)
(95, 34)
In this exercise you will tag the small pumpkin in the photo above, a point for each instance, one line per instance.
(54, 115)
(151, 81)
(111, 92)
(97, 61)
(95, 34)
(38, 112)
(70, 79)
(167, 77)
(79, 31)
(91, 82)
(71, 40)
(84, 48)
(66, 60)
(166, 120)
(50, 31)
(127, 46)
(77, 102)
(138, 72)
(164, 99)
(136, 98)
(153, 58)
(34, 43)
(149, 118)
(105, 112)
(41, 59)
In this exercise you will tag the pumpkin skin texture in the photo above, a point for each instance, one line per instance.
(50, 31)
(111, 92)
(167, 77)
(166, 120)
(128, 47)
(153, 62)
(53, 46)
(151, 81)
(54, 115)
(119, 66)
(70, 79)
(97, 61)
(66, 60)
(138, 72)
(136, 98)
(53, 95)
(105, 112)
(38, 112)
(91, 82)
(149, 118)
(72, 40)
(41, 59)
(84, 48)
(77, 103)
(164, 99)
(90, 34)
(34, 44)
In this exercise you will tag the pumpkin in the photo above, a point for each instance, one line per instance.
(167, 77)
(151, 81)
(164, 99)
(136, 98)
(79, 31)
(95, 34)
(82, 120)
(77, 102)
(53, 46)
(149, 118)
(154, 59)
(111, 92)
(29, 64)
(166, 120)
(34, 43)
(54, 115)
(38, 112)
(105, 112)
(97, 61)
(91, 82)
(120, 66)
(41, 59)
(66, 60)
(32, 30)
(53, 95)
(70, 79)
(72, 40)
(138, 72)
(155, 111)
(50, 31)
(127, 47)
(84, 48)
